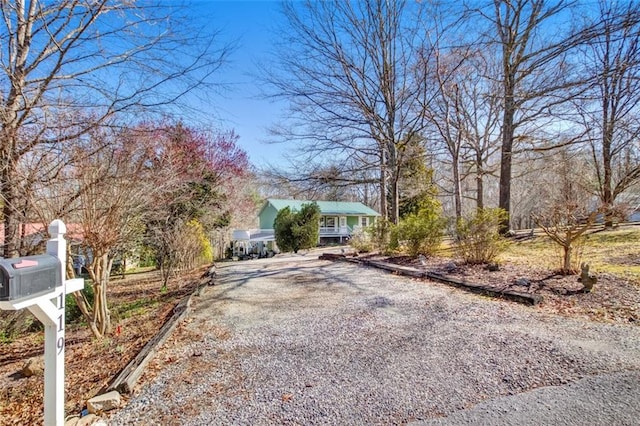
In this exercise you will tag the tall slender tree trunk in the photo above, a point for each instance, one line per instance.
(457, 186)
(607, 133)
(394, 190)
(506, 151)
(566, 263)
(457, 189)
(607, 140)
(365, 196)
(395, 200)
(479, 184)
(383, 186)
(10, 198)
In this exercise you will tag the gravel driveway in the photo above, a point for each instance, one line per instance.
(295, 340)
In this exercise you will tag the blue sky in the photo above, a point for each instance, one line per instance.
(249, 23)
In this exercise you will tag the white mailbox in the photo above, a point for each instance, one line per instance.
(28, 277)
(38, 283)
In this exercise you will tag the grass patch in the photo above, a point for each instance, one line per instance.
(617, 236)
(615, 252)
(446, 248)
(6, 337)
(538, 252)
(135, 308)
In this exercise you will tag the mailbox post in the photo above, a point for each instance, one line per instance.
(38, 284)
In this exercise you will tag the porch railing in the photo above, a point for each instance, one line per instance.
(243, 235)
(335, 230)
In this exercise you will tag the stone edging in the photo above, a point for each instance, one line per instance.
(515, 296)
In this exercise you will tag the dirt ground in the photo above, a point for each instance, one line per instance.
(90, 364)
(614, 299)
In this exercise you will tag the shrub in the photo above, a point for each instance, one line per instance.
(420, 233)
(361, 240)
(147, 257)
(380, 234)
(282, 229)
(72, 311)
(478, 239)
(205, 249)
(297, 230)
(306, 229)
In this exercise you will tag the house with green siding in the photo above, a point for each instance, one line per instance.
(339, 219)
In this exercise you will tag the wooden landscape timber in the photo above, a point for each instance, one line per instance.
(487, 290)
(125, 381)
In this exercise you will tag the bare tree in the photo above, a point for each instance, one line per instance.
(71, 65)
(464, 112)
(480, 121)
(610, 109)
(115, 187)
(464, 119)
(534, 75)
(563, 210)
(119, 184)
(177, 247)
(351, 179)
(349, 70)
(446, 117)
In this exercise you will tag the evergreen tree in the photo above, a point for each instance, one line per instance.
(282, 227)
(297, 230)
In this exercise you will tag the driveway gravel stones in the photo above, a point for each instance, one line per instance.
(294, 340)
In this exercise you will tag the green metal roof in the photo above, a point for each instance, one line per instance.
(338, 208)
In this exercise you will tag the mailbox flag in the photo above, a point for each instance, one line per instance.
(25, 263)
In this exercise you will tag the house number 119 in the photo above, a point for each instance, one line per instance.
(60, 341)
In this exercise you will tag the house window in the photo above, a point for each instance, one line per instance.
(343, 222)
(331, 222)
(322, 222)
(364, 221)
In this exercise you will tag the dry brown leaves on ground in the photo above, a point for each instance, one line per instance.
(90, 364)
(614, 299)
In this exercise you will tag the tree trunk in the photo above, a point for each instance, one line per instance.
(566, 264)
(167, 264)
(394, 206)
(99, 272)
(383, 187)
(11, 215)
(506, 152)
(394, 191)
(479, 185)
(607, 139)
(365, 196)
(457, 190)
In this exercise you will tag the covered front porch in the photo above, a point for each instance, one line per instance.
(340, 227)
